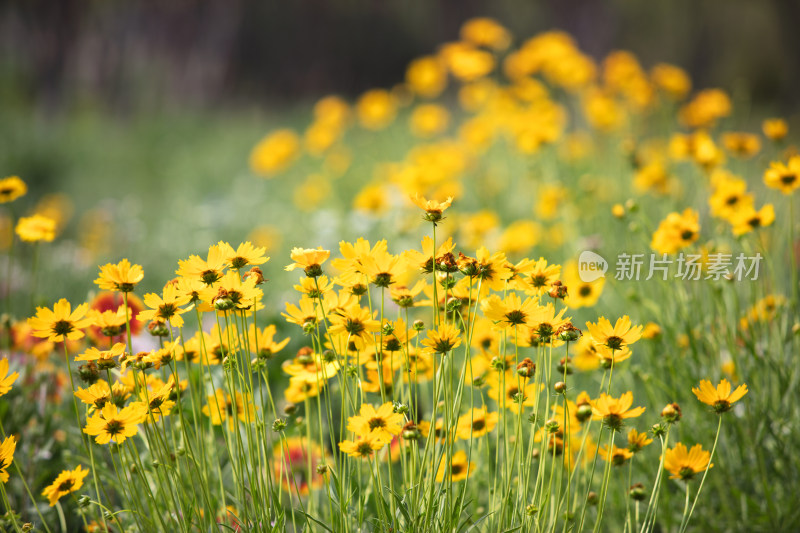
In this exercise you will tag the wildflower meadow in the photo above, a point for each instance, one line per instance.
(520, 290)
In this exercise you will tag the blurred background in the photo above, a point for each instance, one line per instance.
(135, 120)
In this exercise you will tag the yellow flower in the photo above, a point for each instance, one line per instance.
(617, 337)
(581, 293)
(111, 423)
(637, 441)
(775, 128)
(612, 411)
(672, 80)
(275, 153)
(356, 322)
(245, 254)
(617, 456)
(61, 323)
(103, 358)
(6, 379)
(466, 62)
(221, 407)
(309, 259)
(429, 120)
(509, 312)
(427, 76)
(748, 219)
(363, 447)
(741, 144)
(721, 397)
(483, 31)
(382, 423)
(785, 178)
(459, 468)
(121, 277)
(294, 456)
(676, 231)
(66, 482)
(683, 464)
(475, 423)
(165, 307)
(36, 228)
(12, 188)
(376, 109)
(443, 339)
(6, 456)
(433, 209)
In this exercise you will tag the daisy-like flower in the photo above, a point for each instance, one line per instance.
(383, 269)
(36, 228)
(720, 398)
(637, 441)
(262, 341)
(443, 339)
(403, 296)
(617, 337)
(104, 359)
(115, 424)
(6, 379)
(307, 312)
(459, 468)
(509, 312)
(617, 456)
(683, 464)
(581, 293)
(675, 232)
(99, 394)
(775, 128)
(382, 422)
(230, 292)
(612, 411)
(303, 387)
(538, 276)
(785, 178)
(315, 287)
(166, 307)
(309, 259)
(492, 269)
(222, 407)
(514, 399)
(433, 209)
(208, 271)
(363, 447)
(61, 323)
(475, 423)
(748, 219)
(6, 456)
(353, 255)
(355, 321)
(424, 259)
(246, 254)
(66, 482)
(12, 188)
(121, 277)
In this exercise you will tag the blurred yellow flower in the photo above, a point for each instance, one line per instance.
(36, 228)
(275, 153)
(11, 188)
(376, 109)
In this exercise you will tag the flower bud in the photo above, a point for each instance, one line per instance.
(583, 413)
(671, 413)
(638, 492)
(322, 469)
(278, 425)
(290, 409)
(418, 325)
(526, 368)
(560, 387)
(592, 498)
(158, 329)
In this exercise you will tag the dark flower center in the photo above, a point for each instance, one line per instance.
(113, 427)
(614, 342)
(62, 327)
(585, 290)
(687, 235)
(377, 423)
(478, 425)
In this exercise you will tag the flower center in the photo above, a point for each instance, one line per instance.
(377, 423)
(62, 327)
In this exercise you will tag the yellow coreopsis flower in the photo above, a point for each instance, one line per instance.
(720, 397)
(363, 447)
(621, 335)
(12, 188)
(443, 339)
(683, 464)
(382, 422)
(6, 379)
(475, 423)
(775, 128)
(275, 153)
(433, 209)
(6, 456)
(376, 109)
(165, 307)
(60, 323)
(309, 259)
(121, 277)
(111, 423)
(246, 254)
(612, 411)
(67, 481)
(637, 441)
(459, 468)
(483, 31)
(676, 231)
(427, 76)
(36, 228)
(785, 178)
(509, 312)
(748, 219)
(616, 456)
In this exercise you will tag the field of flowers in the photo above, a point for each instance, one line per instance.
(521, 290)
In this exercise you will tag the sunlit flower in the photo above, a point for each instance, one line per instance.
(12, 188)
(166, 307)
(66, 482)
(775, 129)
(60, 323)
(6, 379)
(208, 270)
(785, 178)
(637, 441)
(427, 76)
(275, 153)
(309, 259)
(443, 339)
(363, 447)
(676, 231)
(617, 456)
(36, 228)
(748, 219)
(376, 109)
(383, 422)
(459, 468)
(246, 254)
(683, 464)
(612, 411)
(110, 423)
(433, 209)
(221, 407)
(475, 423)
(720, 397)
(622, 334)
(7, 448)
